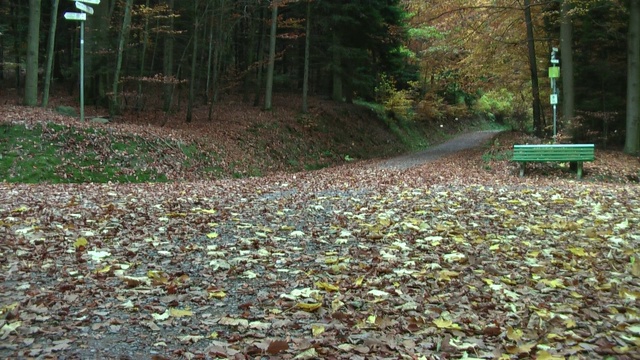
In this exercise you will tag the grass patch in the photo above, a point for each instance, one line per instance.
(51, 153)
(408, 132)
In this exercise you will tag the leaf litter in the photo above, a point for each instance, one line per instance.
(443, 260)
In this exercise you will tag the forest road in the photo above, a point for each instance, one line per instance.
(461, 142)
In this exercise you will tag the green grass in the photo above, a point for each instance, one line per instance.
(54, 153)
(408, 132)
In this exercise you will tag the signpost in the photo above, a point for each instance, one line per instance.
(82, 17)
(554, 73)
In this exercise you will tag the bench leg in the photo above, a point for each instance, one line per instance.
(522, 166)
(579, 173)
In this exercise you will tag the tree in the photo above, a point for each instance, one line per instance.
(194, 54)
(124, 33)
(33, 44)
(50, 52)
(272, 55)
(632, 145)
(566, 54)
(533, 68)
(307, 45)
(167, 60)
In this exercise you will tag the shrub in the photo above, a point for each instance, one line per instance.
(398, 103)
(496, 105)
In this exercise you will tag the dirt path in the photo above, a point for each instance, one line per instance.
(461, 142)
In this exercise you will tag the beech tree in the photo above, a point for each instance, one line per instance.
(632, 145)
(33, 44)
(566, 61)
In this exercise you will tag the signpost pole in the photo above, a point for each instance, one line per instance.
(81, 16)
(554, 73)
(81, 70)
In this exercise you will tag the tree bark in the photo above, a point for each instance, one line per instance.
(115, 107)
(272, 55)
(194, 54)
(533, 67)
(50, 52)
(307, 45)
(167, 62)
(33, 42)
(145, 42)
(336, 68)
(632, 145)
(566, 62)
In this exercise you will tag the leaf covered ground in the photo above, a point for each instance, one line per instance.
(456, 258)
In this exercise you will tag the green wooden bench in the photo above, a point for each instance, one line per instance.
(553, 153)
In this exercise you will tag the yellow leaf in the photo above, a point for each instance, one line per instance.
(206, 211)
(336, 304)
(514, 334)
(157, 277)
(494, 247)
(555, 283)
(446, 275)
(544, 355)
(180, 312)
(577, 251)
(309, 307)
(105, 269)
(331, 260)
(488, 281)
(371, 319)
(359, 281)
(326, 286)
(635, 268)
(570, 323)
(576, 295)
(80, 242)
(317, 329)
(213, 335)
(212, 235)
(446, 324)
(20, 209)
(217, 294)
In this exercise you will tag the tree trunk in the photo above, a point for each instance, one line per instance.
(194, 54)
(307, 45)
(115, 107)
(167, 62)
(336, 69)
(260, 55)
(50, 52)
(145, 41)
(33, 42)
(97, 49)
(272, 55)
(566, 62)
(632, 145)
(533, 67)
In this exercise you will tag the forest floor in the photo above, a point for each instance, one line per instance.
(455, 257)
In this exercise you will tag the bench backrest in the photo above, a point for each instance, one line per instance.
(554, 152)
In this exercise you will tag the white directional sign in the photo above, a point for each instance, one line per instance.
(93, 2)
(75, 16)
(82, 7)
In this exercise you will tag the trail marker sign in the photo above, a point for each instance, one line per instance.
(75, 16)
(85, 8)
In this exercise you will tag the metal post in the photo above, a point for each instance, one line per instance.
(81, 70)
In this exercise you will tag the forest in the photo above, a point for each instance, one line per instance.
(423, 60)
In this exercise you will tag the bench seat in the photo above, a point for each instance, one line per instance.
(577, 153)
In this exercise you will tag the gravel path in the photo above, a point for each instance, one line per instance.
(462, 142)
